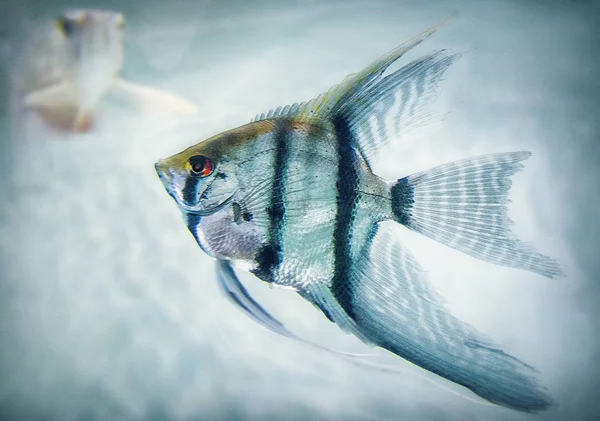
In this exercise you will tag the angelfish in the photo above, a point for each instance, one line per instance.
(292, 198)
(90, 57)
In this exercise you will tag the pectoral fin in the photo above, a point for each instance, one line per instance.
(58, 95)
(153, 98)
(57, 105)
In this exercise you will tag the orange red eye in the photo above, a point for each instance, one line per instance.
(201, 166)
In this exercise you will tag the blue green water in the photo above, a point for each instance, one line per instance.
(109, 310)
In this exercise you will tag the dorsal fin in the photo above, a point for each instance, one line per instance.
(339, 94)
(367, 94)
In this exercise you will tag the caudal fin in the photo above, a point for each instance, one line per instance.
(463, 205)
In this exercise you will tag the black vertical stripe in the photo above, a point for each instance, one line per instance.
(189, 192)
(270, 255)
(402, 200)
(192, 222)
(347, 200)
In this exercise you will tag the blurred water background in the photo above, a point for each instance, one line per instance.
(109, 310)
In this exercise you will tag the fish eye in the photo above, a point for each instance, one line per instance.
(201, 165)
(66, 26)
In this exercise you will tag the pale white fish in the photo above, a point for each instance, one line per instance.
(87, 57)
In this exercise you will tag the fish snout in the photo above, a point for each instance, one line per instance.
(163, 173)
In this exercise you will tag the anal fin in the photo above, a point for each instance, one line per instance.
(394, 307)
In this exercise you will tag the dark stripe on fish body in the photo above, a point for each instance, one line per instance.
(402, 200)
(192, 222)
(270, 255)
(190, 191)
(347, 199)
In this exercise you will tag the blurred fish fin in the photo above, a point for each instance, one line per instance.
(148, 97)
(463, 205)
(84, 121)
(58, 107)
(58, 95)
(390, 303)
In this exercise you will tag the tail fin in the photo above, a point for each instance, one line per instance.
(463, 205)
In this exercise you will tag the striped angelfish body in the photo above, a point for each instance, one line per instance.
(302, 194)
(292, 198)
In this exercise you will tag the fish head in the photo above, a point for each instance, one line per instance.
(92, 47)
(219, 185)
(205, 177)
(201, 179)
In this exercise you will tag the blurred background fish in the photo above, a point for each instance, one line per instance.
(110, 311)
(79, 61)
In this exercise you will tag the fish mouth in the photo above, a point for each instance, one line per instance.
(164, 175)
